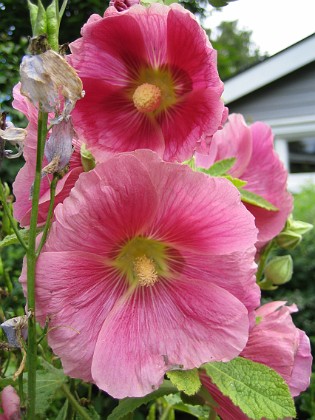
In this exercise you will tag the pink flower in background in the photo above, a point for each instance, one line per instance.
(122, 5)
(275, 342)
(25, 177)
(150, 79)
(10, 404)
(259, 165)
(146, 271)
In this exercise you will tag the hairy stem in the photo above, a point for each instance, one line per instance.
(31, 267)
(77, 407)
(53, 186)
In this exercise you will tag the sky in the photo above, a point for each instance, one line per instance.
(276, 24)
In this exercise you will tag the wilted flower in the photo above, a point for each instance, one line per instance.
(144, 271)
(15, 329)
(44, 77)
(259, 165)
(59, 144)
(15, 136)
(10, 404)
(151, 81)
(275, 342)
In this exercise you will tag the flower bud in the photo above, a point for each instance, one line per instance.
(122, 5)
(288, 239)
(279, 270)
(87, 159)
(299, 227)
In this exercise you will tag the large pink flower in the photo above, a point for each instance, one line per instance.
(147, 270)
(275, 342)
(259, 165)
(150, 81)
(10, 404)
(25, 177)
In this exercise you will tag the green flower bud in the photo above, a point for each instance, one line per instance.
(288, 239)
(279, 270)
(299, 227)
(87, 159)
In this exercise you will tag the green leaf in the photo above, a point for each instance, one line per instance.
(202, 413)
(168, 2)
(12, 239)
(128, 405)
(48, 381)
(185, 380)
(147, 3)
(91, 412)
(219, 168)
(255, 388)
(238, 183)
(62, 415)
(220, 3)
(256, 200)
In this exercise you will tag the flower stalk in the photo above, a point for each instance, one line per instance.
(31, 267)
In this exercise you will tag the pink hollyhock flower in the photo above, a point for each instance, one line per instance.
(150, 79)
(25, 178)
(145, 271)
(275, 342)
(10, 404)
(122, 5)
(259, 165)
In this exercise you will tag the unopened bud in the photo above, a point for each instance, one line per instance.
(58, 148)
(299, 227)
(279, 270)
(87, 159)
(288, 239)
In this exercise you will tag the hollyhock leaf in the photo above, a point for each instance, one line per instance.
(48, 381)
(238, 183)
(62, 415)
(220, 168)
(257, 390)
(255, 199)
(128, 405)
(185, 380)
(175, 401)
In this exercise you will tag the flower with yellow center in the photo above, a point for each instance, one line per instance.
(151, 82)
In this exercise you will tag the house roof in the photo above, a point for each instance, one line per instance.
(271, 69)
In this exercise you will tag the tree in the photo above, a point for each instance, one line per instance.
(236, 51)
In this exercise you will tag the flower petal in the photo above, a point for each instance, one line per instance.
(92, 291)
(161, 327)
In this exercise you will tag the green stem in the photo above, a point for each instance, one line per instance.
(31, 268)
(10, 217)
(165, 413)
(263, 259)
(75, 403)
(53, 186)
(212, 414)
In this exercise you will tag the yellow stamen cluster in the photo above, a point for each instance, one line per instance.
(145, 271)
(147, 97)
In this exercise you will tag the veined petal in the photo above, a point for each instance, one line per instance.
(190, 317)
